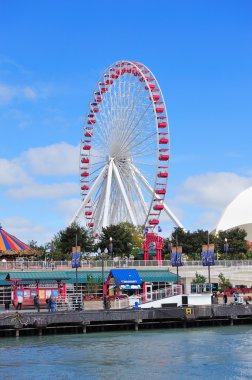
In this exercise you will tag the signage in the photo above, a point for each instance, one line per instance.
(207, 255)
(76, 249)
(176, 256)
(76, 256)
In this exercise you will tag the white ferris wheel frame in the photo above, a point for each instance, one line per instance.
(110, 175)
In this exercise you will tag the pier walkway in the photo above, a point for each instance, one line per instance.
(28, 323)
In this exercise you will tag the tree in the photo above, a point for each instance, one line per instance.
(192, 243)
(199, 279)
(224, 283)
(126, 238)
(236, 242)
(67, 238)
(39, 250)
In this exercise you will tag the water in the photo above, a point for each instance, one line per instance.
(206, 353)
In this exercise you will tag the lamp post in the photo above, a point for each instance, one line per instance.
(226, 247)
(177, 256)
(111, 247)
(102, 258)
(208, 260)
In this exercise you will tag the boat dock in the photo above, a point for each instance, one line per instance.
(21, 323)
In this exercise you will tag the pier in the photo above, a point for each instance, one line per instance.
(14, 323)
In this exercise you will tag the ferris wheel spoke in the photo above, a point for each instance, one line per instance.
(140, 194)
(151, 190)
(107, 194)
(136, 124)
(90, 193)
(117, 175)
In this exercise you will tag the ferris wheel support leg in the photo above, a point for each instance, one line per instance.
(107, 195)
(89, 195)
(126, 200)
(145, 210)
(151, 190)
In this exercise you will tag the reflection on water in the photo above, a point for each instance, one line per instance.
(209, 353)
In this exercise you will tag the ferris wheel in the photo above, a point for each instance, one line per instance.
(125, 150)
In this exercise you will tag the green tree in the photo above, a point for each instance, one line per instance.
(39, 250)
(67, 238)
(126, 238)
(238, 246)
(199, 279)
(224, 283)
(191, 242)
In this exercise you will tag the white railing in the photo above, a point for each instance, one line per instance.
(108, 264)
(159, 294)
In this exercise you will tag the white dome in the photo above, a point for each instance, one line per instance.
(238, 214)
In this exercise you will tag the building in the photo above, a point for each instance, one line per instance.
(238, 214)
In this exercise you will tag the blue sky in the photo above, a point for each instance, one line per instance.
(51, 56)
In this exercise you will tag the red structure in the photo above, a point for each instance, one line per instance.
(30, 287)
(153, 241)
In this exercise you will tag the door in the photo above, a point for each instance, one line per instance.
(148, 292)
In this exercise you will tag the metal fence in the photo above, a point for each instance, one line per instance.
(108, 264)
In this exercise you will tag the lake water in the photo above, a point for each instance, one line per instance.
(205, 353)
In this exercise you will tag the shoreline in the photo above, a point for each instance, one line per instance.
(15, 324)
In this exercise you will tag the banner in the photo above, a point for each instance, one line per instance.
(207, 255)
(76, 256)
(176, 256)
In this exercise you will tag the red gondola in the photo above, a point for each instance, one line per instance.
(164, 157)
(162, 124)
(85, 187)
(88, 134)
(158, 207)
(156, 97)
(151, 86)
(162, 175)
(163, 141)
(85, 174)
(154, 222)
(85, 160)
(87, 147)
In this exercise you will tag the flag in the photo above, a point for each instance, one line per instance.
(76, 256)
(146, 230)
(176, 256)
(207, 255)
(159, 229)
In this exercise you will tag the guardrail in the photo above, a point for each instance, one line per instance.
(108, 264)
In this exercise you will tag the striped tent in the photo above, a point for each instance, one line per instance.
(11, 243)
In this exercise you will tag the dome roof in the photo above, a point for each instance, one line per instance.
(238, 214)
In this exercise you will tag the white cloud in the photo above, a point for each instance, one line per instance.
(200, 200)
(44, 191)
(9, 93)
(58, 159)
(67, 208)
(29, 93)
(12, 174)
(212, 190)
(25, 230)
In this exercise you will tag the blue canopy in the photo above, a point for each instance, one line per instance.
(126, 277)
